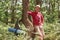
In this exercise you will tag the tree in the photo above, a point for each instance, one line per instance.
(6, 18)
(25, 19)
(13, 4)
(38, 2)
(58, 8)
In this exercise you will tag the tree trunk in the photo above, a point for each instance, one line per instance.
(49, 7)
(58, 9)
(25, 19)
(13, 11)
(38, 2)
(6, 13)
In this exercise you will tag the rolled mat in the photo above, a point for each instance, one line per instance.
(15, 30)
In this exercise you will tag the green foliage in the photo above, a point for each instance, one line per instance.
(51, 25)
(52, 31)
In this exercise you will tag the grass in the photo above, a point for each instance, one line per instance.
(52, 32)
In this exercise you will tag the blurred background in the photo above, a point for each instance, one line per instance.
(11, 10)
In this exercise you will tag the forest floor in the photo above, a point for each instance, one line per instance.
(52, 32)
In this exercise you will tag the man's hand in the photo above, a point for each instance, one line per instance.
(42, 24)
(28, 11)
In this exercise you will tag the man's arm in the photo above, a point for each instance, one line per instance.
(29, 12)
(42, 20)
(31, 20)
(30, 16)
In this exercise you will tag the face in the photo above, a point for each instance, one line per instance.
(37, 9)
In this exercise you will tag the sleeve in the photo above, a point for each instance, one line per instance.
(29, 12)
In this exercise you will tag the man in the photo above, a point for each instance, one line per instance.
(38, 21)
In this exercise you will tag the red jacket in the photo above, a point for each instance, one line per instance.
(37, 18)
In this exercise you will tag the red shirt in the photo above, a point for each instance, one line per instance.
(37, 18)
